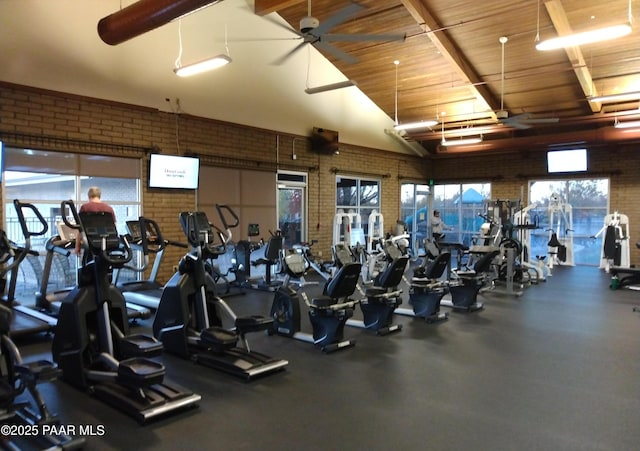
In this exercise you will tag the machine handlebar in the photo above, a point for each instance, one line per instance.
(20, 206)
(74, 213)
(221, 208)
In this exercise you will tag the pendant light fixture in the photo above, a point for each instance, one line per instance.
(457, 142)
(622, 97)
(585, 37)
(203, 65)
(408, 125)
(627, 125)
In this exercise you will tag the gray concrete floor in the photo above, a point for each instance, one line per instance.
(555, 369)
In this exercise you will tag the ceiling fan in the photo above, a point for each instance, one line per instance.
(521, 121)
(315, 33)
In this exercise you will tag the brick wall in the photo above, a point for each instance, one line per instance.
(38, 112)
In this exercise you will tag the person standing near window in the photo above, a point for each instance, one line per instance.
(438, 226)
(94, 205)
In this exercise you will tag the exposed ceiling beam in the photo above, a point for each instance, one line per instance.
(450, 51)
(561, 24)
(264, 7)
(597, 120)
(598, 136)
(143, 16)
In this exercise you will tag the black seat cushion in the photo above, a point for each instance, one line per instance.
(344, 282)
(392, 275)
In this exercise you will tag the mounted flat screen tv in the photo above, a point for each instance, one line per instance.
(170, 171)
(574, 160)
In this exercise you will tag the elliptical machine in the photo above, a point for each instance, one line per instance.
(17, 376)
(189, 328)
(92, 345)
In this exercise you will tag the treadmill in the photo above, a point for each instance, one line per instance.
(47, 303)
(25, 320)
(145, 236)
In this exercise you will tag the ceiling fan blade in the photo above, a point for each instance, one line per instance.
(363, 37)
(288, 55)
(337, 18)
(335, 52)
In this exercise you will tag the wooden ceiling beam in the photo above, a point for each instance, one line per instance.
(264, 7)
(583, 74)
(449, 50)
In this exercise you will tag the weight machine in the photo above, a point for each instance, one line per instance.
(560, 245)
(615, 242)
(343, 226)
(524, 225)
(376, 230)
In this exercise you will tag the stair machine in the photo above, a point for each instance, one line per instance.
(145, 235)
(17, 376)
(49, 302)
(428, 288)
(25, 320)
(187, 320)
(465, 285)
(92, 345)
(327, 313)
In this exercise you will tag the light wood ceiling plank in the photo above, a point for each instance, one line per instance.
(450, 51)
(264, 7)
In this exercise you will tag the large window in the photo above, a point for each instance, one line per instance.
(585, 205)
(414, 199)
(358, 198)
(460, 206)
(44, 179)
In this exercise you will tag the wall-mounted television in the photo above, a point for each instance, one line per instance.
(170, 171)
(574, 160)
(324, 141)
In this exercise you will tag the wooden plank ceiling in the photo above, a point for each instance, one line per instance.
(451, 67)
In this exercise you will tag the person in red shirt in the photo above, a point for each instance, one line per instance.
(95, 204)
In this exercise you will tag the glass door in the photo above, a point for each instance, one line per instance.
(291, 207)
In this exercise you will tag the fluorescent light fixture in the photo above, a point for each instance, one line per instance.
(461, 142)
(586, 37)
(629, 124)
(622, 97)
(414, 125)
(202, 66)
(331, 87)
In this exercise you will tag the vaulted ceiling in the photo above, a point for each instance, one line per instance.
(452, 67)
